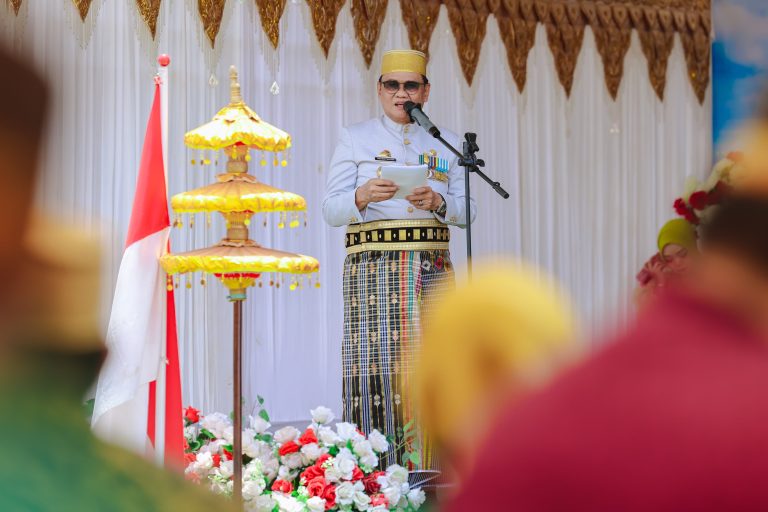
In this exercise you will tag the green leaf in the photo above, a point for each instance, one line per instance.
(88, 408)
(333, 450)
(205, 433)
(408, 426)
(260, 400)
(410, 435)
(264, 415)
(349, 445)
(267, 438)
(405, 459)
(415, 457)
(228, 447)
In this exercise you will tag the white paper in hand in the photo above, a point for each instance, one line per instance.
(406, 177)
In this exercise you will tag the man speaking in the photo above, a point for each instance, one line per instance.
(397, 251)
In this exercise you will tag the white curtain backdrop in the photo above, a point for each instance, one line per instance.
(590, 179)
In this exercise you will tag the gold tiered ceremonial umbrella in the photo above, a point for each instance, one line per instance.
(237, 260)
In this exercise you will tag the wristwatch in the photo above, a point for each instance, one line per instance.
(443, 208)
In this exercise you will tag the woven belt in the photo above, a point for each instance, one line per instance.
(397, 235)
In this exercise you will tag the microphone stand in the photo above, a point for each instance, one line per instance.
(471, 163)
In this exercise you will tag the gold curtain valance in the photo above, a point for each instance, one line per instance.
(612, 21)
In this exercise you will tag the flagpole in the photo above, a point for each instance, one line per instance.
(160, 389)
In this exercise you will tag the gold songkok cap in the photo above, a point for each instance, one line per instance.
(404, 60)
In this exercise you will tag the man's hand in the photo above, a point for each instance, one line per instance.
(375, 190)
(424, 198)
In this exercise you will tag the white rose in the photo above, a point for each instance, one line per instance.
(263, 503)
(332, 474)
(345, 492)
(327, 436)
(416, 497)
(392, 494)
(285, 473)
(215, 423)
(361, 500)
(191, 432)
(286, 434)
(228, 434)
(322, 415)
(226, 469)
(258, 424)
(397, 475)
(204, 460)
(362, 448)
(252, 489)
(270, 468)
(380, 508)
(369, 461)
(345, 463)
(292, 460)
(288, 503)
(347, 432)
(378, 441)
(250, 446)
(311, 452)
(316, 504)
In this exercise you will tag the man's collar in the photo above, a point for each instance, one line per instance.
(393, 126)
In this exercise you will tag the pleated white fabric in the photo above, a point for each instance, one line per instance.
(590, 179)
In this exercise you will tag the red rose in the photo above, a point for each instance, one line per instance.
(227, 454)
(186, 444)
(370, 483)
(312, 472)
(289, 447)
(680, 206)
(308, 437)
(357, 474)
(316, 486)
(698, 200)
(379, 499)
(324, 457)
(189, 458)
(191, 415)
(329, 495)
(216, 460)
(282, 486)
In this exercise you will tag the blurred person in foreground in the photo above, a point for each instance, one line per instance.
(677, 246)
(500, 335)
(670, 416)
(50, 348)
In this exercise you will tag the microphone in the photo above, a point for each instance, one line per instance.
(417, 115)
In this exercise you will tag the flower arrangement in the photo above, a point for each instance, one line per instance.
(699, 198)
(316, 470)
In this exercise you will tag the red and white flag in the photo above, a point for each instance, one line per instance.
(141, 338)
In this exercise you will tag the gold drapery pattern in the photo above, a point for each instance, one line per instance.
(324, 16)
(368, 16)
(420, 18)
(211, 12)
(468, 21)
(83, 6)
(612, 21)
(270, 12)
(149, 11)
(517, 25)
(16, 5)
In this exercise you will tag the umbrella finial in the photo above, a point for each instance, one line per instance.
(234, 86)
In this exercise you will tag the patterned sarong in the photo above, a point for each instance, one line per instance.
(386, 294)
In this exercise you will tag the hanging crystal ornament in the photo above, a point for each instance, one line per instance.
(275, 89)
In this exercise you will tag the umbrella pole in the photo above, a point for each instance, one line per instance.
(237, 452)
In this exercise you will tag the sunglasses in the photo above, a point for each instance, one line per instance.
(394, 86)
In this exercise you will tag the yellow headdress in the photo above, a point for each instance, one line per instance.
(506, 327)
(404, 60)
(677, 231)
